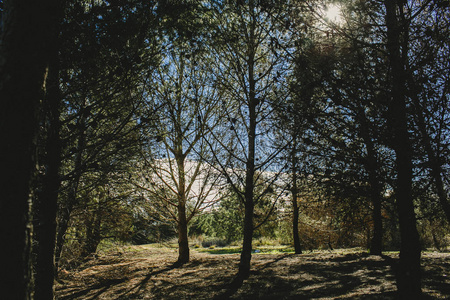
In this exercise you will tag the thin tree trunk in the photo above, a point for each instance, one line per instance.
(93, 230)
(295, 215)
(27, 41)
(371, 165)
(63, 223)
(409, 272)
(294, 190)
(249, 204)
(376, 244)
(66, 207)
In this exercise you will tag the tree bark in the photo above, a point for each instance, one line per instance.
(294, 190)
(47, 199)
(246, 254)
(65, 208)
(409, 272)
(295, 215)
(27, 42)
(93, 228)
(376, 244)
(371, 165)
(249, 204)
(183, 242)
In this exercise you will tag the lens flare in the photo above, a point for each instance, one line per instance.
(333, 13)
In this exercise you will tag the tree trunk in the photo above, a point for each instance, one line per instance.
(295, 213)
(183, 242)
(93, 233)
(182, 222)
(409, 273)
(297, 246)
(246, 254)
(48, 197)
(376, 244)
(249, 204)
(27, 42)
(93, 227)
(66, 207)
(63, 217)
(371, 165)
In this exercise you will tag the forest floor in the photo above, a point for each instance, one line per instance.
(147, 272)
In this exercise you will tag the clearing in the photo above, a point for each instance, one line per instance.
(147, 272)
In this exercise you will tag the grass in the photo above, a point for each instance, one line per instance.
(257, 250)
(224, 250)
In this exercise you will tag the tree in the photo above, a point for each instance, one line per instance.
(179, 182)
(106, 49)
(175, 162)
(409, 273)
(249, 69)
(28, 39)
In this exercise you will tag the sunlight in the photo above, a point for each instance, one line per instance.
(333, 13)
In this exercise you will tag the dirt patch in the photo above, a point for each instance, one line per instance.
(144, 272)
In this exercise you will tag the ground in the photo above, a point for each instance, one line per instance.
(147, 272)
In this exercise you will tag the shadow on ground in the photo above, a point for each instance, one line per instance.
(333, 275)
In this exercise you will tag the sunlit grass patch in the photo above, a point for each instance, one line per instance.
(222, 250)
(257, 250)
(274, 250)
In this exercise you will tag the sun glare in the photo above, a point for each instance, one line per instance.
(333, 13)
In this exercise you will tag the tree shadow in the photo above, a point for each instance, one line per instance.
(101, 286)
(143, 283)
(436, 274)
(350, 276)
(230, 288)
(315, 277)
(274, 261)
(93, 291)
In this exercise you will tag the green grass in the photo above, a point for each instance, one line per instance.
(257, 250)
(276, 250)
(224, 250)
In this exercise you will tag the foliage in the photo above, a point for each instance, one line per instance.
(223, 222)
